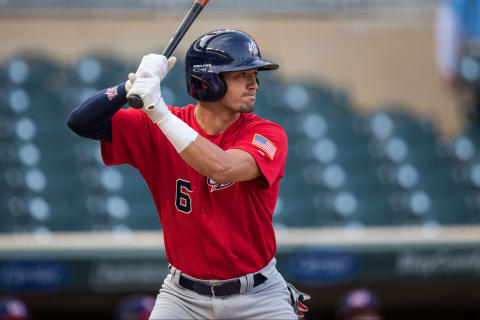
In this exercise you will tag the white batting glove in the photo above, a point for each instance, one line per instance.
(131, 80)
(148, 89)
(296, 299)
(155, 65)
(150, 73)
(177, 132)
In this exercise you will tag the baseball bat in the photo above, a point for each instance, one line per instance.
(134, 100)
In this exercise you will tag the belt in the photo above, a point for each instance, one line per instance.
(218, 289)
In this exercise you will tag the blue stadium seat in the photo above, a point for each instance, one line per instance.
(143, 214)
(295, 207)
(34, 70)
(100, 70)
(6, 219)
(383, 168)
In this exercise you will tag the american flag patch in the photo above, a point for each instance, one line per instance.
(264, 144)
(111, 93)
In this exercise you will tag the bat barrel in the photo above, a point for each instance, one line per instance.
(184, 26)
(135, 101)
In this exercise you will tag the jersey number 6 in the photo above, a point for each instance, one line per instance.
(183, 202)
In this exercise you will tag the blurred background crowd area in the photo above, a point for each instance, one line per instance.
(382, 182)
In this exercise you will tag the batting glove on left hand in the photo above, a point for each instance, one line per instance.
(297, 298)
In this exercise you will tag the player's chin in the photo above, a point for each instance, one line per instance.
(247, 105)
(246, 108)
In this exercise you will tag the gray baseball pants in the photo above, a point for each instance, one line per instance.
(269, 300)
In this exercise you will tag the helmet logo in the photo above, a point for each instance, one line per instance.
(252, 47)
(202, 67)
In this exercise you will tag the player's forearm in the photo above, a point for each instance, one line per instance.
(221, 166)
(91, 119)
(206, 158)
(201, 154)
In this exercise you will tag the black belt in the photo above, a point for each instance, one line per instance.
(218, 289)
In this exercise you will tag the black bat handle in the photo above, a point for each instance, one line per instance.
(134, 100)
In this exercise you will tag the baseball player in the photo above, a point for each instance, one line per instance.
(213, 170)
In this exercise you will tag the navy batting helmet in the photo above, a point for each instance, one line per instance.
(216, 52)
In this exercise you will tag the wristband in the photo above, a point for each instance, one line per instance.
(177, 132)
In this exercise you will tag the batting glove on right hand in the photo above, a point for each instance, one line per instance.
(148, 89)
(297, 298)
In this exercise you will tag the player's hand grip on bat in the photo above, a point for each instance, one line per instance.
(152, 65)
(131, 80)
(297, 298)
(147, 86)
(155, 65)
(145, 83)
(148, 89)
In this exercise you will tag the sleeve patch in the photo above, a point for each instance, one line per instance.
(111, 93)
(264, 144)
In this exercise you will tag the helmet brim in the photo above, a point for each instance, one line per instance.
(255, 63)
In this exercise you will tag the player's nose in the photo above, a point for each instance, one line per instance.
(252, 83)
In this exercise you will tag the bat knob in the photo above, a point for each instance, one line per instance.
(135, 101)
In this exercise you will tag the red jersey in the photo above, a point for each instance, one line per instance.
(211, 231)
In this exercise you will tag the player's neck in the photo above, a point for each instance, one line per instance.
(214, 120)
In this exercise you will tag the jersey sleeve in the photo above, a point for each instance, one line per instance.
(267, 143)
(132, 139)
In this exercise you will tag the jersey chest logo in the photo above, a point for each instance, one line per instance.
(218, 186)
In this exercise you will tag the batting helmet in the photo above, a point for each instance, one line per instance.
(216, 52)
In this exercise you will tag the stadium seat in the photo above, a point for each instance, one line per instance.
(295, 208)
(113, 194)
(6, 219)
(379, 169)
(135, 191)
(34, 70)
(100, 70)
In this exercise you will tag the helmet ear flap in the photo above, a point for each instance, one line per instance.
(210, 87)
(216, 87)
(199, 83)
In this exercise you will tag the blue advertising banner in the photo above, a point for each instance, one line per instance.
(33, 275)
(318, 266)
